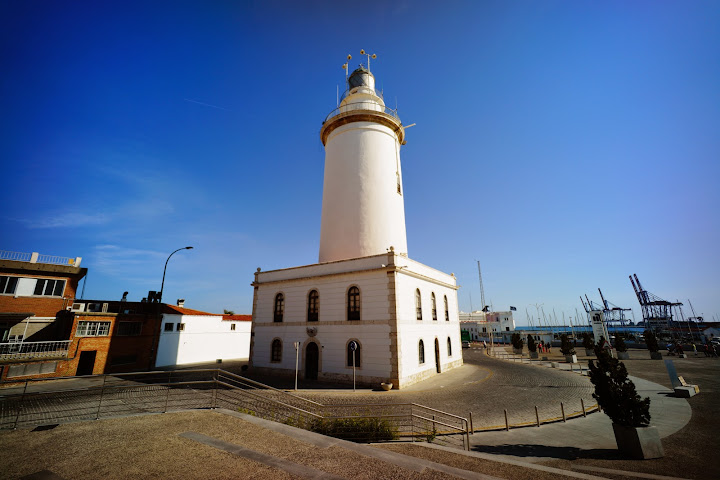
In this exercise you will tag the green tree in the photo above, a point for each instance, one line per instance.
(566, 348)
(615, 393)
(532, 346)
(651, 341)
(620, 344)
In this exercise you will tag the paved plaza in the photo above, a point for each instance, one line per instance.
(215, 444)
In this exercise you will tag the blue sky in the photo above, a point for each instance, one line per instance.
(564, 144)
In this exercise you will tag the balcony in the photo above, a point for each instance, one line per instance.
(33, 350)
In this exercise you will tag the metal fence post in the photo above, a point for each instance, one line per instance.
(562, 408)
(214, 398)
(537, 416)
(507, 425)
(22, 402)
(467, 436)
(167, 392)
(582, 403)
(472, 429)
(102, 392)
(412, 426)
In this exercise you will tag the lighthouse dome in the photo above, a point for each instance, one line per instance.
(361, 77)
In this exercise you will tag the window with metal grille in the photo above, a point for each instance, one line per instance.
(447, 312)
(93, 329)
(276, 350)
(449, 347)
(418, 305)
(421, 352)
(279, 307)
(353, 303)
(8, 285)
(49, 288)
(313, 306)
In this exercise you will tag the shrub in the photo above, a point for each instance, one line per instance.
(620, 344)
(355, 429)
(651, 341)
(615, 393)
(587, 341)
(566, 348)
(516, 341)
(532, 346)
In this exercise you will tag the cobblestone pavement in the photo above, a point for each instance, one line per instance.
(486, 386)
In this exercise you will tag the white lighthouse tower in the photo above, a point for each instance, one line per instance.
(363, 212)
(365, 311)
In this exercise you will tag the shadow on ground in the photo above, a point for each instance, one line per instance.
(565, 453)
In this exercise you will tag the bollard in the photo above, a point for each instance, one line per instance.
(562, 408)
(537, 417)
(582, 403)
(507, 425)
(472, 430)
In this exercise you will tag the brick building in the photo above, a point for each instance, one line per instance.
(48, 332)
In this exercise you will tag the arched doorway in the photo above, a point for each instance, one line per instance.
(312, 356)
(437, 355)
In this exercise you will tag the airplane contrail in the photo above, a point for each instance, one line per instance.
(205, 104)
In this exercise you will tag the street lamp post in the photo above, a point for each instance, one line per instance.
(162, 287)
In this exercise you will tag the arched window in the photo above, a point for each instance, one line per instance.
(353, 303)
(449, 347)
(418, 304)
(313, 306)
(447, 312)
(434, 306)
(276, 350)
(279, 307)
(350, 353)
(421, 352)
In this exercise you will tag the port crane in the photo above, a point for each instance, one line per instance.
(657, 313)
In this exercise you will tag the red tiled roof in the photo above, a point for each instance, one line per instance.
(175, 310)
(238, 318)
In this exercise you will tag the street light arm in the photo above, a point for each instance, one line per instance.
(162, 286)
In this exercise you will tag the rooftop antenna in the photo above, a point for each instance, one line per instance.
(369, 56)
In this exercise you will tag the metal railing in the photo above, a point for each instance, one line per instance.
(37, 258)
(17, 256)
(55, 260)
(362, 106)
(37, 402)
(21, 350)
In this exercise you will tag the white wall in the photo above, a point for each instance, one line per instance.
(373, 331)
(362, 212)
(411, 330)
(205, 338)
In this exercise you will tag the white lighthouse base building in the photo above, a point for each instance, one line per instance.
(401, 315)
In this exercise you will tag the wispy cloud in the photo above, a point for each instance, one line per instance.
(205, 104)
(67, 220)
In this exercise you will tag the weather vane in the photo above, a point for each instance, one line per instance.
(369, 56)
(345, 66)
